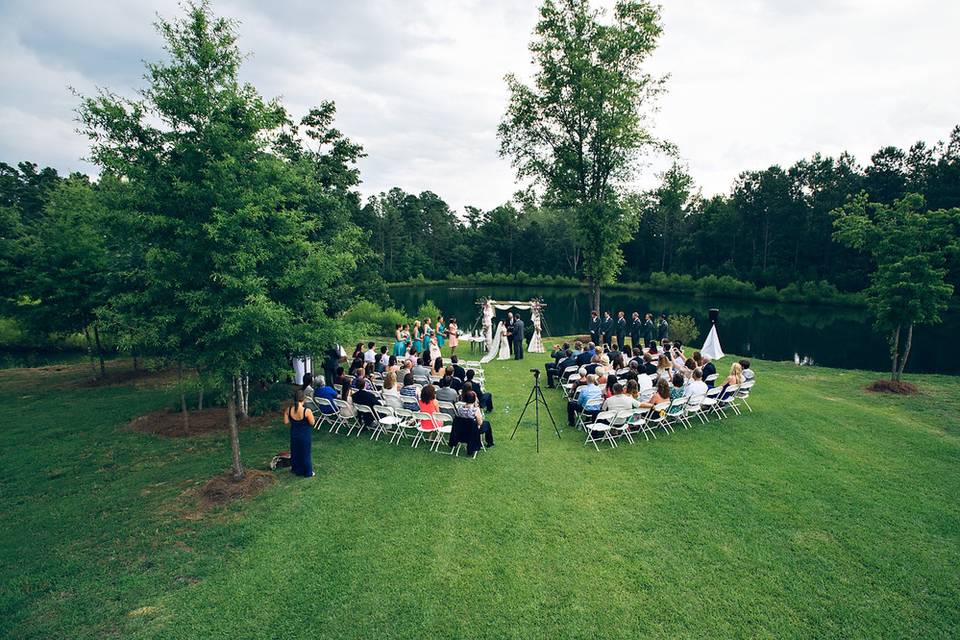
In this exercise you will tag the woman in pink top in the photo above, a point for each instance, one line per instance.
(428, 404)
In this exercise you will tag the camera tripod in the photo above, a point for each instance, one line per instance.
(536, 399)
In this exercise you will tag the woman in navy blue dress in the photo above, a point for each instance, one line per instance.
(300, 420)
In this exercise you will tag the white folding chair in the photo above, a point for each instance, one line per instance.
(408, 424)
(425, 433)
(364, 410)
(744, 393)
(658, 417)
(728, 399)
(709, 403)
(619, 427)
(676, 412)
(599, 430)
(693, 407)
(326, 413)
(387, 423)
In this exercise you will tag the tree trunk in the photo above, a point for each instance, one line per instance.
(93, 366)
(594, 293)
(906, 352)
(96, 335)
(894, 352)
(234, 433)
(136, 362)
(183, 397)
(200, 399)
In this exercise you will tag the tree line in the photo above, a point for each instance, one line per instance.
(775, 227)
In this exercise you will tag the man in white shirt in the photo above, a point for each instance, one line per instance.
(696, 386)
(370, 355)
(620, 400)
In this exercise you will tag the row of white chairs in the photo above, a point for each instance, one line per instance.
(399, 425)
(611, 426)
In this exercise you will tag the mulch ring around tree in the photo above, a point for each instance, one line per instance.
(223, 489)
(893, 386)
(170, 423)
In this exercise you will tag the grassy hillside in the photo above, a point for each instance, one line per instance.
(828, 512)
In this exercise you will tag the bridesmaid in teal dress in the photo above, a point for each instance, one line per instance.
(417, 338)
(441, 331)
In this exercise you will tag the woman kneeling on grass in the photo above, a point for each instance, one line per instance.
(300, 420)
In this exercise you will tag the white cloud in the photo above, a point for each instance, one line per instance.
(420, 84)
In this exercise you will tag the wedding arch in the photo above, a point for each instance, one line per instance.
(489, 307)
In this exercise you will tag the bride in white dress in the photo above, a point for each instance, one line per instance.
(499, 347)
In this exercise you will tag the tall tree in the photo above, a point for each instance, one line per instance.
(910, 248)
(228, 208)
(579, 127)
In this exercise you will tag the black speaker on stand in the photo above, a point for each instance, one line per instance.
(714, 315)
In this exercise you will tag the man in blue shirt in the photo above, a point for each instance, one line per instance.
(323, 390)
(589, 400)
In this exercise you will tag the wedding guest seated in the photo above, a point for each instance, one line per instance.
(471, 409)
(553, 368)
(392, 365)
(420, 371)
(688, 368)
(485, 399)
(649, 367)
(428, 404)
(678, 358)
(747, 371)
(360, 381)
(355, 366)
(614, 352)
(617, 362)
(662, 394)
(643, 382)
(438, 368)
(709, 369)
(325, 391)
(677, 388)
(577, 349)
(370, 354)
(620, 400)
(697, 358)
(587, 355)
(589, 400)
(633, 390)
(554, 372)
(358, 352)
(307, 386)
(608, 385)
(363, 395)
(633, 373)
(696, 386)
(664, 370)
(458, 371)
(455, 383)
(735, 377)
(446, 393)
(410, 393)
(341, 380)
(391, 394)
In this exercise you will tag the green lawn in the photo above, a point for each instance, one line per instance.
(828, 512)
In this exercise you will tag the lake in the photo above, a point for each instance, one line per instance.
(825, 336)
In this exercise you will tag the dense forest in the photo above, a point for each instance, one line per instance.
(774, 228)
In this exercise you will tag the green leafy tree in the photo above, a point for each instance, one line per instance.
(64, 277)
(910, 248)
(579, 127)
(236, 221)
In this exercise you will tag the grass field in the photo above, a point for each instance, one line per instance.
(828, 512)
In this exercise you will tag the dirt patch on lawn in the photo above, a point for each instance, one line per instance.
(223, 489)
(170, 424)
(893, 386)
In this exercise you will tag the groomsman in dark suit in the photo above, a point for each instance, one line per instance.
(518, 339)
(621, 330)
(648, 330)
(606, 328)
(510, 322)
(635, 326)
(594, 327)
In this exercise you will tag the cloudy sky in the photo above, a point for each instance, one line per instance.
(420, 83)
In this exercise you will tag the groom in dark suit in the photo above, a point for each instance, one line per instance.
(518, 339)
(509, 324)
